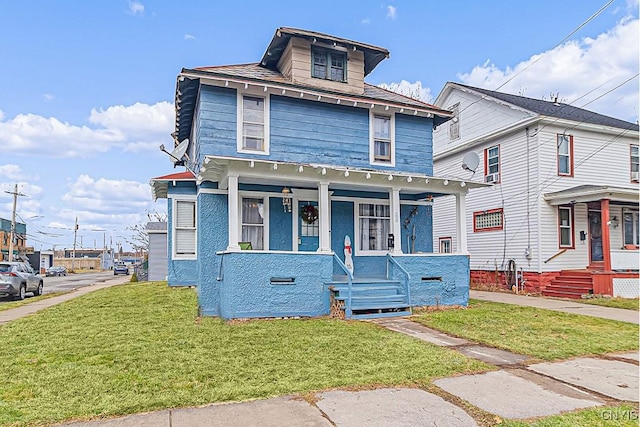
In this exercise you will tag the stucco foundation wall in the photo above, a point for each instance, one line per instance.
(212, 238)
(436, 279)
(246, 289)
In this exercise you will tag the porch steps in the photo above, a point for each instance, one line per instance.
(570, 284)
(372, 298)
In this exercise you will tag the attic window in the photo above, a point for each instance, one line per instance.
(328, 64)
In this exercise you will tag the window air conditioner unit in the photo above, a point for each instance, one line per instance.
(635, 176)
(492, 177)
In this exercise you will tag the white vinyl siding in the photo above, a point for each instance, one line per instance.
(382, 139)
(253, 124)
(184, 230)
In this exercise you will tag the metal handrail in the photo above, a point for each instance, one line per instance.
(347, 308)
(407, 277)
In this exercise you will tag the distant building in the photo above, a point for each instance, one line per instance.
(19, 242)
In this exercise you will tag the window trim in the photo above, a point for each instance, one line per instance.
(569, 154)
(631, 163)
(635, 213)
(356, 216)
(240, 121)
(174, 213)
(441, 240)
(486, 162)
(265, 219)
(486, 212)
(571, 228)
(327, 51)
(372, 141)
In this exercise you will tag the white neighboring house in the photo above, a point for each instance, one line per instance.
(564, 204)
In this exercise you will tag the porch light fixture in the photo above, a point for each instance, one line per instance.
(615, 222)
(286, 199)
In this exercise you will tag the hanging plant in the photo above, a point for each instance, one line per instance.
(309, 214)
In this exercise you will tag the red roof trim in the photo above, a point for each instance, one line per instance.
(180, 176)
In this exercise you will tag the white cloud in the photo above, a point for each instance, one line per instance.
(14, 173)
(574, 69)
(391, 12)
(412, 90)
(27, 203)
(136, 127)
(136, 8)
(107, 197)
(189, 37)
(365, 21)
(48, 97)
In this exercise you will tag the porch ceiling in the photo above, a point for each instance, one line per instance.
(592, 193)
(308, 175)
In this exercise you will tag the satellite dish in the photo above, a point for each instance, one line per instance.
(180, 150)
(470, 161)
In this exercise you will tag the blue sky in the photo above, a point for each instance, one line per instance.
(87, 87)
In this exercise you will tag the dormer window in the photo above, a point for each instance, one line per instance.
(328, 64)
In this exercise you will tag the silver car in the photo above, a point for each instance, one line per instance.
(18, 278)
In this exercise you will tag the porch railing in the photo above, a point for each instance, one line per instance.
(347, 307)
(407, 277)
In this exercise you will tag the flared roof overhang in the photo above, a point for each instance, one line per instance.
(308, 175)
(592, 193)
(160, 185)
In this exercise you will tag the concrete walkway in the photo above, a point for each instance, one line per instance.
(629, 316)
(30, 308)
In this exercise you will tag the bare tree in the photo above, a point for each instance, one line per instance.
(139, 240)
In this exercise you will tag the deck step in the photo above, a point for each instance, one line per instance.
(372, 297)
(379, 315)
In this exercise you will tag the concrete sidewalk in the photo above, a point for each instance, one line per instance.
(629, 316)
(30, 308)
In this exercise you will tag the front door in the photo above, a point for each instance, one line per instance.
(595, 241)
(308, 228)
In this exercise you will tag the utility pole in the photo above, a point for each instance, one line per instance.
(73, 255)
(12, 234)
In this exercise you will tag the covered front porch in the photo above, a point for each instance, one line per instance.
(304, 238)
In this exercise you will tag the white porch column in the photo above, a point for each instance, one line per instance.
(234, 214)
(325, 209)
(394, 199)
(461, 225)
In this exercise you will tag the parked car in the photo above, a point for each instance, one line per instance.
(18, 278)
(120, 269)
(56, 271)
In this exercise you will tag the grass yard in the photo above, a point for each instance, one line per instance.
(13, 304)
(543, 334)
(626, 303)
(140, 347)
(619, 416)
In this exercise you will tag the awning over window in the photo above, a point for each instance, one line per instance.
(592, 193)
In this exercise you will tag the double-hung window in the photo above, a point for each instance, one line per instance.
(253, 222)
(253, 124)
(492, 164)
(565, 226)
(631, 227)
(382, 139)
(184, 229)
(565, 155)
(635, 161)
(328, 64)
(374, 225)
(445, 245)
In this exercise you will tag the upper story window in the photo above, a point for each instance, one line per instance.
(565, 226)
(374, 226)
(382, 139)
(565, 155)
(445, 245)
(454, 124)
(253, 124)
(492, 164)
(488, 220)
(635, 160)
(184, 229)
(328, 64)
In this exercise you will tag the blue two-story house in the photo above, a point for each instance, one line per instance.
(308, 191)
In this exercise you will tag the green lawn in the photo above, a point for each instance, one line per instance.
(13, 304)
(539, 333)
(619, 416)
(626, 303)
(140, 347)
